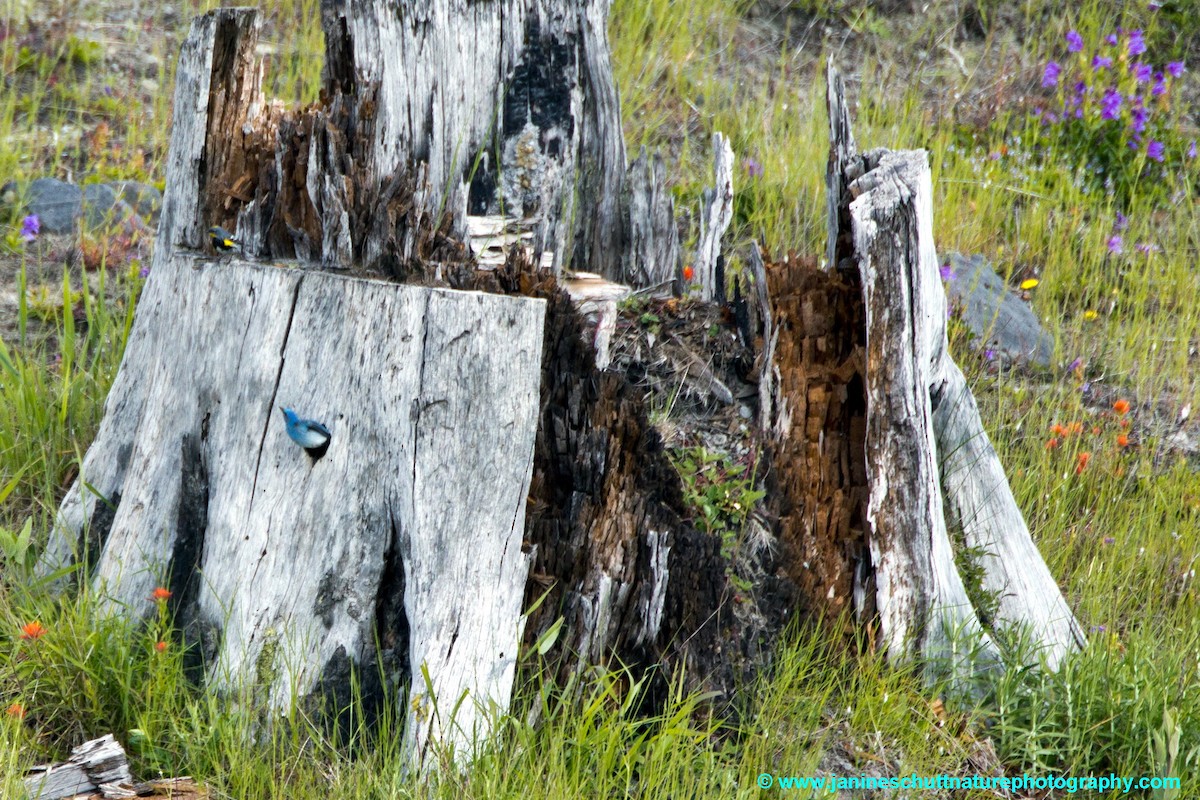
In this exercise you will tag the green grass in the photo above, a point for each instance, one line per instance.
(1122, 536)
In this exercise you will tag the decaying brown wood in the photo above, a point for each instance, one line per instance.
(488, 108)
(633, 583)
(817, 425)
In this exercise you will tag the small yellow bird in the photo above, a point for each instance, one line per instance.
(222, 240)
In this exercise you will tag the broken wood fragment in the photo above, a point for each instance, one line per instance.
(716, 212)
(96, 766)
(652, 257)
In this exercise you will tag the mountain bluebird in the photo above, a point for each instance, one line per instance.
(309, 434)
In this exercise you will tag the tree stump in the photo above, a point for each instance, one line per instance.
(480, 458)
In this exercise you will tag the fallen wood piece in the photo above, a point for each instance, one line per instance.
(702, 375)
(98, 765)
(980, 501)
(596, 300)
(492, 240)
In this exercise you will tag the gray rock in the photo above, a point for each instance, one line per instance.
(999, 318)
(101, 205)
(144, 198)
(57, 204)
(102, 208)
(60, 205)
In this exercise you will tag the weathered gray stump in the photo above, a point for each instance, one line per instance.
(400, 545)
(924, 438)
(652, 242)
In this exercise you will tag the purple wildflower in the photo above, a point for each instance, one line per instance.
(1156, 150)
(1160, 85)
(1074, 365)
(1122, 222)
(1139, 118)
(144, 272)
(1148, 248)
(1109, 539)
(1137, 43)
(1074, 42)
(1097, 629)
(1111, 38)
(30, 227)
(1142, 72)
(1050, 75)
(1191, 151)
(989, 354)
(1175, 69)
(1110, 104)
(1100, 62)
(945, 271)
(1115, 245)
(753, 168)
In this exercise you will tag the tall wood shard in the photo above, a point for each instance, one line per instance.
(924, 439)
(716, 212)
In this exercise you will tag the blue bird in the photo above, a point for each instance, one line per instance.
(309, 434)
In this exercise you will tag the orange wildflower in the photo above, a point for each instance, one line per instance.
(1076, 427)
(1082, 462)
(1121, 407)
(1122, 440)
(1059, 430)
(160, 595)
(161, 647)
(16, 710)
(1053, 443)
(1124, 423)
(688, 273)
(33, 630)
(1095, 430)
